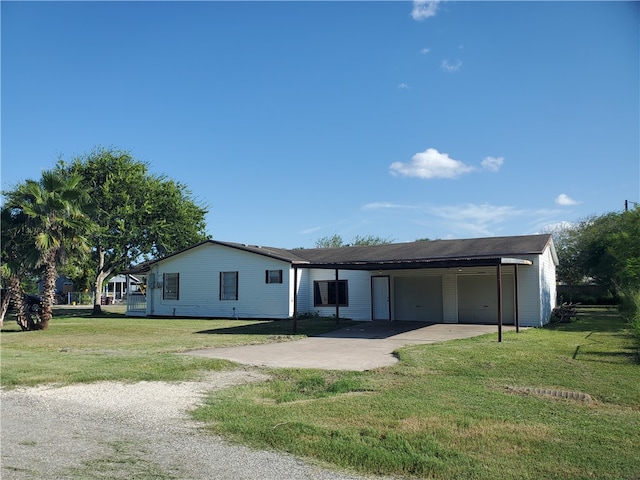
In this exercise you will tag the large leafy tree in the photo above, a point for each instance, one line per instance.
(566, 238)
(139, 215)
(609, 250)
(48, 220)
(334, 241)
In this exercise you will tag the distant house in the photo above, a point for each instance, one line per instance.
(118, 286)
(481, 280)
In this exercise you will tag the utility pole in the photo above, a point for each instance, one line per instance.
(626, 205)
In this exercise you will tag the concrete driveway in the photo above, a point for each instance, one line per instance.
(360, 347)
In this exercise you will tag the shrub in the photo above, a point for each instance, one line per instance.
(630, 309)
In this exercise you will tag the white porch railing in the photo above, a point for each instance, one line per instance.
(136, 305)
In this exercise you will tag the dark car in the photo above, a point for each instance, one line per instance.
(32, 301)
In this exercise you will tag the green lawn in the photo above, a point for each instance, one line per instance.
(461, 409)
(78, 347)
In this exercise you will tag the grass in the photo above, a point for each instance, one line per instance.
(460, 409)
(78, 347)
(452, 410)
(125, 461)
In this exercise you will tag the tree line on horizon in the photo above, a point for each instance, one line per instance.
(100, 213)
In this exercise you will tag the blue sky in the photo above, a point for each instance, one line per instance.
(294, 121)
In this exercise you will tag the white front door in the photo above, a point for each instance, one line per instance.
(380, 298)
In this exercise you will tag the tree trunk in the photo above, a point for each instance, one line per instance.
(97, 285)
(4, 306)
(48, 290)
(101, 276)
(97, 298)
(23, 315)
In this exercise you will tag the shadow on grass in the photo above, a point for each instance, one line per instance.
(11, 326)
(602, 320)
(626, 355)
(13, 329)
(86, 311)
(596, 320)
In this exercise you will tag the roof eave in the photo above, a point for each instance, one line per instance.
(416, 264)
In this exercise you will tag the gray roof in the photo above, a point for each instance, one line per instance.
(273, 252)
(421, 254)
(485, 251)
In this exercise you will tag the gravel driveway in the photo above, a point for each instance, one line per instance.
(112, 430)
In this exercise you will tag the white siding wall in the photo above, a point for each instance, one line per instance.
(547, 286)
(537, 290)
(305, 292)
(359, 291)
(529, 293)
(199, 295)
(528, 284)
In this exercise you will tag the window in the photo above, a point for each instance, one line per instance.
(228, 285)
(170, 286)
(273, 276)
(324, 293)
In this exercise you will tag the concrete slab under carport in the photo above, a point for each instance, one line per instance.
(359, 347)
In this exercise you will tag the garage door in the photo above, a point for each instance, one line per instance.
(478, 299)
(418, 299)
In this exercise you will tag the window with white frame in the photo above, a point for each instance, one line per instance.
(228, 285)
(325, 295)
(170, 286)
(273, 276)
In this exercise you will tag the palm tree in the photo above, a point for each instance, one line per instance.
(14, 268)
(54, 213)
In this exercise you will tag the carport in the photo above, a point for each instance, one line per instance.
(498, 263)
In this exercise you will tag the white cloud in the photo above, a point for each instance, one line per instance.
(477, 219)
(403, 86)
(464, 220)
(310, 230)
(424, 51)
(492, 164)
(388, 206)
(565, 200)
(424, 9)
(451, 67)
(431, 164)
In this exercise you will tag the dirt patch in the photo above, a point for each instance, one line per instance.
(552, 393)
(134, 430)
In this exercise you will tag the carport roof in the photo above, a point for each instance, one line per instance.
(428, 254)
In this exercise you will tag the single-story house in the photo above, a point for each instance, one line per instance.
(510, 280)
(118, 286)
